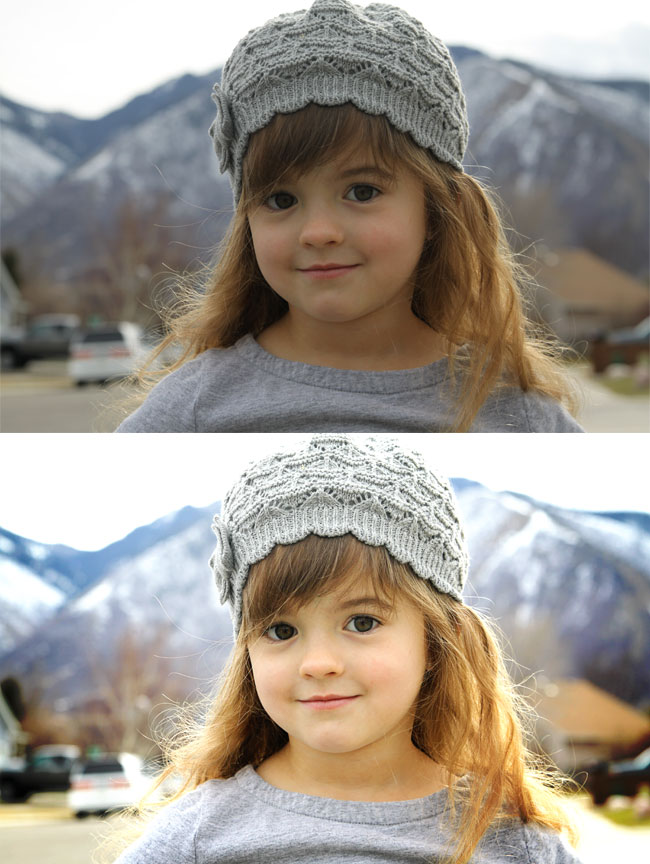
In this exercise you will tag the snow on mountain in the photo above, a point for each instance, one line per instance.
(551, 145)
(25, 600)
(572, 588)
(164, 165)
(58, 574)
(161, 596)
(27, 170)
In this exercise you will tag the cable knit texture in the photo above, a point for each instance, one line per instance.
(334, 485)
(378, 57)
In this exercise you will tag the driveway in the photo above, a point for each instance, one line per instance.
(604, 411)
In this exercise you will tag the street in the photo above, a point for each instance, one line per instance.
(42, 399)
(44, 831)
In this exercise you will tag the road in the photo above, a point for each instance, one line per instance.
(42, 399)
(43, 831)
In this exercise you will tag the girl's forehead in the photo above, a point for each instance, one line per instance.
(351, 590)
(349, 164)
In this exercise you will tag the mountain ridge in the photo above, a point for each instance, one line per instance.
(569, 588)
(551, 143)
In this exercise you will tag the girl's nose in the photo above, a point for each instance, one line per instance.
(320, 660)
(320, 228)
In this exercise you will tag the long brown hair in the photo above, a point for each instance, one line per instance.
(469, 285)
(469, 718)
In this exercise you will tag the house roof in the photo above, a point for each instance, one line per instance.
(586, 282)
(586, 713)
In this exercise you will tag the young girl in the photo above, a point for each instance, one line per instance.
(365, 283)
(365, 714)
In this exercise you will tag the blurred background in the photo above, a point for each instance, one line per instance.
(110, 185)
(109, 616)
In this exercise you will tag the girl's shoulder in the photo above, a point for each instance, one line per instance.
(527, 843)
(171, 405)
(514, 410)
(172, 833)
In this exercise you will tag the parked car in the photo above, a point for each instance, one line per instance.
(621, 346)
(45, 337)
(102, 353)
(111, 781)
(619, 778)
(47, 769)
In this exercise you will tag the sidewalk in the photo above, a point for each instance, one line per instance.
(604, 411)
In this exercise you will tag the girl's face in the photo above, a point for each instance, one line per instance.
(340, 674)
(341, 242)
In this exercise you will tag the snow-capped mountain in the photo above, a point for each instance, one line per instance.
(565, 155)
(552, 144)
(571, 591)
(37, 580)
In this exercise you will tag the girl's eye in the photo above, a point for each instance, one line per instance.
(280, 201)
(280, 632)
(362, 624)
(362, 192)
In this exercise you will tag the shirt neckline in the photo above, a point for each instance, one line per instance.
(390, 381)
(333, 809)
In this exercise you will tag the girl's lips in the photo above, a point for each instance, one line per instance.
(327, 704)
(329, 272)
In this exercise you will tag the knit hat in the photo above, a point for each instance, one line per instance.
(333, 485)
(378, 57)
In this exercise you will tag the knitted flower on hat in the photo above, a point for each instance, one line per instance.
(378, 58)
(372, 488)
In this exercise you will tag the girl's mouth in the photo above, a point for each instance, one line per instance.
(329, 271)
(327, 703)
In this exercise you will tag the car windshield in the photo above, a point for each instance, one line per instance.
(112, 335)
(101, 766)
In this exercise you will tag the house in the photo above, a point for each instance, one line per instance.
(580, 296)
(580, 724)
(13, 308)
(12, 737)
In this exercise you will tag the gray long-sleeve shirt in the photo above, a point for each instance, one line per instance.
(246, 389)
(244, 820)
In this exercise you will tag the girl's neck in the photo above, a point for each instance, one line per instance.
(353, 778)
(387, 344)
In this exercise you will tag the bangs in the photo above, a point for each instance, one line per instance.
(293, 575)
(312, 137)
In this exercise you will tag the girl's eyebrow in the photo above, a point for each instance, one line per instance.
(366, 169)
(361, 601)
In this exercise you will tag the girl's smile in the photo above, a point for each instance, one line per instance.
(327, 703)
(328, 271)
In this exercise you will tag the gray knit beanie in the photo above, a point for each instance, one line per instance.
(378, 57)
(331, 486)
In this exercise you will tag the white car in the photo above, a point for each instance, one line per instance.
(107, 782)
(109, 351)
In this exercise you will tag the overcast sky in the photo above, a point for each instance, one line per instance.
(89, 490)
(87, 58)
